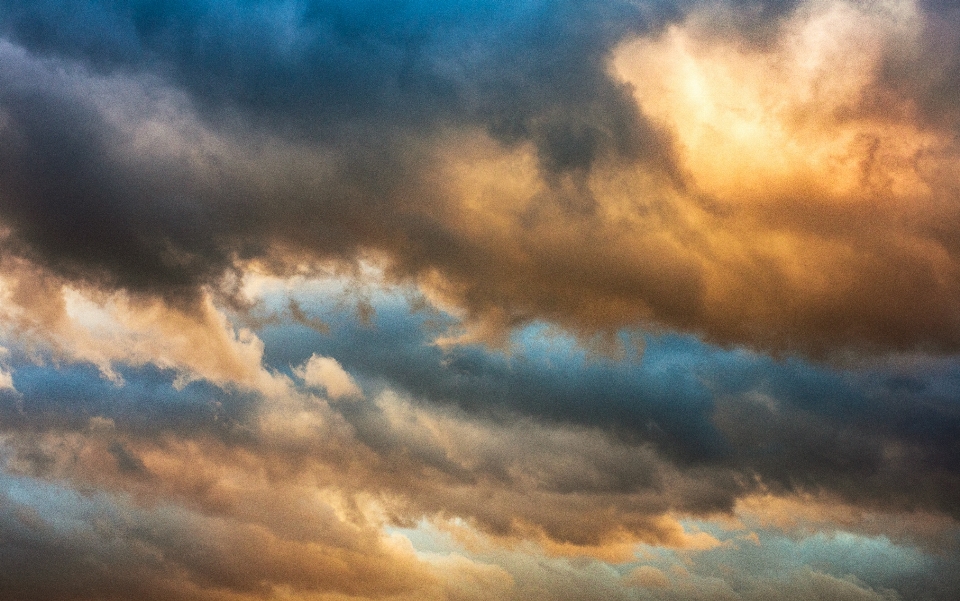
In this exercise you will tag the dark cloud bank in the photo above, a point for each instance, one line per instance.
(308, 131)
(363, 82)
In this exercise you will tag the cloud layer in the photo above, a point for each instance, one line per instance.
(474, 300)
(713, 168)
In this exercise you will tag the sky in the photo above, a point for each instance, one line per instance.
(467, 300)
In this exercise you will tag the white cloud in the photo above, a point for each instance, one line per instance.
(326, 373)
(6, 374)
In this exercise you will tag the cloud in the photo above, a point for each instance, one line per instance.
(631, 300)
(593, 166)
(647, 577)
(327, 374)
(825, 198)
(691, 428)
(102, 547)
(6, 377)
(200, 181)
(294, 475)
(792, 425)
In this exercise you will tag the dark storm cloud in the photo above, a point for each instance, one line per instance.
(86, 213)
(287, 133)
(313, 65)
(351, 75)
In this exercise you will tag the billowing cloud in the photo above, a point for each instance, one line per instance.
(470, 300)
(726, 174)
(277, 467)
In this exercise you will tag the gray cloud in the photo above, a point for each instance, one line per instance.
(157, 147)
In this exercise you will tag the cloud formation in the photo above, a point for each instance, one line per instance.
(712, 168)
(327, 374)
(487, 448)
(471, 300)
